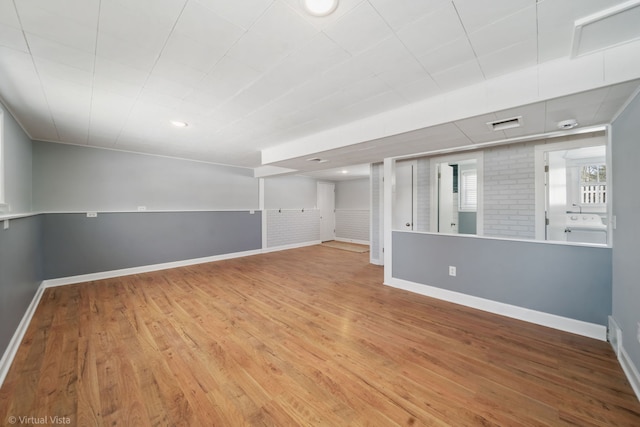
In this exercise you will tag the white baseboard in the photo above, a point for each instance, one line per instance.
(292, 246)
(14, 344)
(143, 269)
(630, 371)
(359, 242)
(566, 324)
(164, 266)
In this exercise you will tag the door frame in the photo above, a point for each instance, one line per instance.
(433, 187)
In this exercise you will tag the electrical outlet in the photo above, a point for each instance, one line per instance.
(452, 270)
(92, 214)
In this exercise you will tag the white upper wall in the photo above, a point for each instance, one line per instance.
(17, 165)
(353, 194)
(290, 192)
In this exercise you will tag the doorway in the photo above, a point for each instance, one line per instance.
(576, 194)
(327, 208)
(405, 208)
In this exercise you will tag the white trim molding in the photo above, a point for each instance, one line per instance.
(630, 370)
(356, 241)
(18, 335)
(566, 324)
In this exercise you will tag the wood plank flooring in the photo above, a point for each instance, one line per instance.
(305, 337)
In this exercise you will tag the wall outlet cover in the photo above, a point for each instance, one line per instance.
(6, 224)
(452, 270)
(92, 214)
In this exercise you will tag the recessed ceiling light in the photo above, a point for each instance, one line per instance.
(319, 7)
(345, 171)
(179, 124)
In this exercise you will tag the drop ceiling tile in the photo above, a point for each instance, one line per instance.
(132, 27)
(419, 90)
(582, 107)
(459, 76)
(280, 22)
(360, 29)
(118, 50)
(476, 129)
(199, 23)
(259, 52)
(243, 14)
(58, 27)
(533, 119)
(177, 73)
(72, 134)
(448, 55)
(475, 14)
(306, 64)
(62, 54)
(406, 70)
(13, 38)
(192, 53)
(515, 57)
(8, 15)
(163, 12)
(432, 31)
(505, 32)
(227, 78)
(162, 86)
(398, 13)
(52, 73)
(80, 11)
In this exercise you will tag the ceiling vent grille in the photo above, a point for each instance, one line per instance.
(503, 124)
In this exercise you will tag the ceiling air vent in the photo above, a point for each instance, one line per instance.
(503, 124)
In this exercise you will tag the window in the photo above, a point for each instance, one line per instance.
(593, 185)
(468, 190)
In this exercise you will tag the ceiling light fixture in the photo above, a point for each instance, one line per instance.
(319, 7)
(345, 171)
(567, 124)
(179, 124)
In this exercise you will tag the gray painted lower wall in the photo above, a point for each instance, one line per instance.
(568, 281)
(20, 272)
(74, 244)
(626, 235)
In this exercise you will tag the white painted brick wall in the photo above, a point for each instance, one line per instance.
(376, 204)
(352, 224)
(291, 226)
(423, 195)
(509, 191)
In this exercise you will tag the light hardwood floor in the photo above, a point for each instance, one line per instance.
(301, 337)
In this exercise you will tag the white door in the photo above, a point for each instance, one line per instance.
(326, 206)
(556, 203)
(404, 208)
(446, 219)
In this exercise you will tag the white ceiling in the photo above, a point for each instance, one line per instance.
(248, 75)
